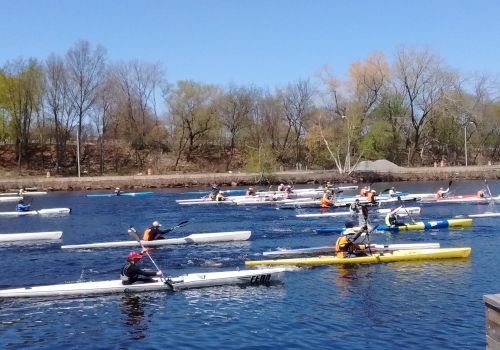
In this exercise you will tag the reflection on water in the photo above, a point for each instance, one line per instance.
(133, 316)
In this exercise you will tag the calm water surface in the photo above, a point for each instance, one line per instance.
(416, 305)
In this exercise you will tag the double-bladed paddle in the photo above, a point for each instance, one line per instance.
(407, 212)
(133, 233)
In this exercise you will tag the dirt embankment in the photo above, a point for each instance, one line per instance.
(183, 180)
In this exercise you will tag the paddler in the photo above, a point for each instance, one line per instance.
(392, 191)
(220, 197)
(392, 219)
(154, 232)
(21, 206)
(441, 193)
(281, 187)
(364, 191)
(250, 192)
(326, 199)
(131, 273)
(361, 211)
(118, 191)
(371, 196)
(347, 244)
(481, 194)
(214, 192)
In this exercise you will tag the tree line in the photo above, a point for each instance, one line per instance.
(123, 117)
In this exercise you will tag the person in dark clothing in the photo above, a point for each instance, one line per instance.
(153, 233)
(132, 273)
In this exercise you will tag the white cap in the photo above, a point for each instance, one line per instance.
(156, 224)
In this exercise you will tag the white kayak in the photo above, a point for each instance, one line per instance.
(330, 249)
(30, 236)
(483, 215)
(51, 211)
(193, 238)
(400, 212)
(192, 280)
(10, 199)
(24, 193)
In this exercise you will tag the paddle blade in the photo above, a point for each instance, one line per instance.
(449, 183)
(133, 234)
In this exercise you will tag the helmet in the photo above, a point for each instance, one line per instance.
(117, 188)
(349, 224)
(250, 188)
(221, 193)
(134, 255)
(156, 224)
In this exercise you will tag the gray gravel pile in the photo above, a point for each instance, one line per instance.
(380, 165)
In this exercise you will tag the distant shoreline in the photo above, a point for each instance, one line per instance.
(189, 180)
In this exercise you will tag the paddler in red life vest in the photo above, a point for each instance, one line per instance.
(347, 245)
(250, 192)
(153, 233)
(131, 273)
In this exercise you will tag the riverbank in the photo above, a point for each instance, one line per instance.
(184, 180)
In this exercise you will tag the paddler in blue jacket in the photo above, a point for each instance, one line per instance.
(21, 206)
(131, 273)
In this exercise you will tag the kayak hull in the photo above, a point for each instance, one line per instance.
(400, 212)
(398, 255)
(30, 236)
(126, 194)
(420, 225)
(43, 212)
(193, 238)
(193, 280)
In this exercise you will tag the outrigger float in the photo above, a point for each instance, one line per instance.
(191, 280)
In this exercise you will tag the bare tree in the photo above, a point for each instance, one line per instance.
(422, 80)
(85, 67)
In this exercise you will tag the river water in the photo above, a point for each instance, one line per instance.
(416, 305)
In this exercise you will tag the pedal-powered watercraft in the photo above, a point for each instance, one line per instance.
(193, 238)
(192, 280)
(331, 249)
(397, 255)
(51, 211)
(419, 225)
(400, 212)
(30, 236)
(122, 194)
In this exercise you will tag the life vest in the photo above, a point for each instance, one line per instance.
(364, 191)
(344, 245)
(391, 219)
(325, 201)
(249, 193)
(147, 235)
(371, 197)
(219, 197)
(211, 196)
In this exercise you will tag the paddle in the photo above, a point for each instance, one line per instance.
(133, 233)
(407, 212)
(180, 224)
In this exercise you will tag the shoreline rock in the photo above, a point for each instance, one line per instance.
(182, 180)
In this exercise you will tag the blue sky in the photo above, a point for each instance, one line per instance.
(264, 43)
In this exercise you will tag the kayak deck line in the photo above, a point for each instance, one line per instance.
(393, 256)
(400, 212)
(331, 249)
(213, 237)
(193, 280)
(124, 194)
(30, 236)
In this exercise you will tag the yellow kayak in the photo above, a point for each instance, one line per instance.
(397, 255)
